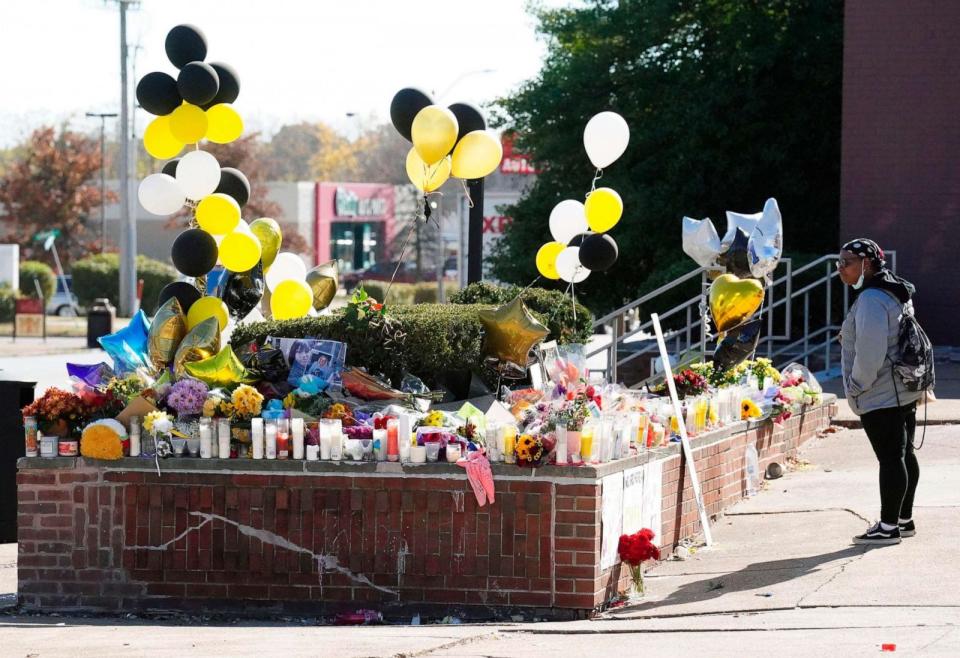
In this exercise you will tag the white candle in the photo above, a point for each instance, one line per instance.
(223, 438)
(313, 453)
(205, 441)
(256, 437)
(296, 428)
(405, 450)
(135, 441)
(380, 444)
(270, 440)
(336, 446)
(325, 441)
(561, 445)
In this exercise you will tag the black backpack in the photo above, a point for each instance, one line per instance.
(914, 362)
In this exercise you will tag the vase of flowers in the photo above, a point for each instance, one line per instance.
(157, 426)
(634, 550)
(59, 413)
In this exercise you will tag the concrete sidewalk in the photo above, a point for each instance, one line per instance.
(782, 579)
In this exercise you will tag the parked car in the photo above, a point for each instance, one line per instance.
(63, 302)
(384, 271)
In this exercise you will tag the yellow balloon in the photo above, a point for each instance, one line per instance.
(240, 251)
(426, 178)
(159, 141)
(603, 208)
(224, 123)
(206, 308)
(291, 299)
(733, 300)
(218, 213)
(434, 132)
(270, 236)
(477, 155)
(547, 259)
(188, 123)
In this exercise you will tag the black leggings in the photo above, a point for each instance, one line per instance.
(891, 434)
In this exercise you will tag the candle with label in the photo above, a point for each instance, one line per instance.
(283, 438)
(223, 438)
(393, 444)
(206, 438)
(135, 436)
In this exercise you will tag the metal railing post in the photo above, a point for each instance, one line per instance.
(612, 362)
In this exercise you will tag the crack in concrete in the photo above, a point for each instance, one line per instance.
(802, 511)
(448, 645)
(930, 644)
(739, 629)
(843, 567)
(324, 562)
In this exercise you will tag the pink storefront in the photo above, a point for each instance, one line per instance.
(354, 223)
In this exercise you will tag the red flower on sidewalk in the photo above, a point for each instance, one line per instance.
(635, 549)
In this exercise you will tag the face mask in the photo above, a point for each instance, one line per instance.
(859, 283)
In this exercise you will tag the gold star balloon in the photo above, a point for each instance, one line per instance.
(167, 330)
(221, 370)
(202, 342)
(323, 281)
(510, 331)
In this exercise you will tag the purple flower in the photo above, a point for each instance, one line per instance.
(187, 396)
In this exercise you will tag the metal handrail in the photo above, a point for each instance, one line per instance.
(776, 344)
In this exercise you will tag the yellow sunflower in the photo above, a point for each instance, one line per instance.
(749, 409)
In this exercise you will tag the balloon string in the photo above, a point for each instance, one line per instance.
(573, 300)
(466, 191)
(403, 250)
(597, 175)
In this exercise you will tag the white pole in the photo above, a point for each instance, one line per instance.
(682, 427)
(128, 225)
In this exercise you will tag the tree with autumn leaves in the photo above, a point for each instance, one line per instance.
(50, 183)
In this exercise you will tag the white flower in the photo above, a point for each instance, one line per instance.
(162, 425)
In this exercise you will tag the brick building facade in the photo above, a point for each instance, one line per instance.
(900, 170)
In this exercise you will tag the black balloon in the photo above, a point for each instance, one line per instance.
(194, 252)
(234, 183)
(170, 167)
(469, 119)
(185, 44)
(738, 344)
(404, 107)
(186, 294)
(578, 239)
(229, 85)
(157, 93)
(198, 83)
(598, 252)
(241, 291)
(735, 258)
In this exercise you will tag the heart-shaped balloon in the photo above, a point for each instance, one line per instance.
(733, 300)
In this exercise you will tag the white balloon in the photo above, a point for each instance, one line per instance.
(286, 266)
(568, 220)
(160, 194)
(605, 138)
(569, 267)
(198, 173)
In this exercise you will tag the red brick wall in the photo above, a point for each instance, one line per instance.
(900, 175)
(87, 536)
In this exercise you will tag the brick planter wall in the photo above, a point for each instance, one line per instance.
(316, 538)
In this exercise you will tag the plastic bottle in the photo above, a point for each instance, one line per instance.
(751, 470)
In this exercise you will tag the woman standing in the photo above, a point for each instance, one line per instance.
(869, 340)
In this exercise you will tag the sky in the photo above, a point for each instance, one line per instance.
(297, 59)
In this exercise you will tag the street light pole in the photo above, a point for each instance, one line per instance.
(128, 225)
(103, 116)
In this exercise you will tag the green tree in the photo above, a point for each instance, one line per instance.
(728, 103)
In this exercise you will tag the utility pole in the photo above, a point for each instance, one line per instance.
(103, 116)
(475, 232)
(128, 215)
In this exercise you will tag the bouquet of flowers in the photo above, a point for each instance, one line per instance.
(246, 402)
(187, 397)
(59, 412)
(634, 550)
(687, 382)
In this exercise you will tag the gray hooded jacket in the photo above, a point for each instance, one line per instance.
(868, 340)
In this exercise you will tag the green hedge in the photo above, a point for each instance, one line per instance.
(31, 270)
(551, 307)
(99, 276)
(437, 339)
(7, 297)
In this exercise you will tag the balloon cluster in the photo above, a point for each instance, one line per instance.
(188, 324)
(447, 141)
(744, 259)
(580, 241)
